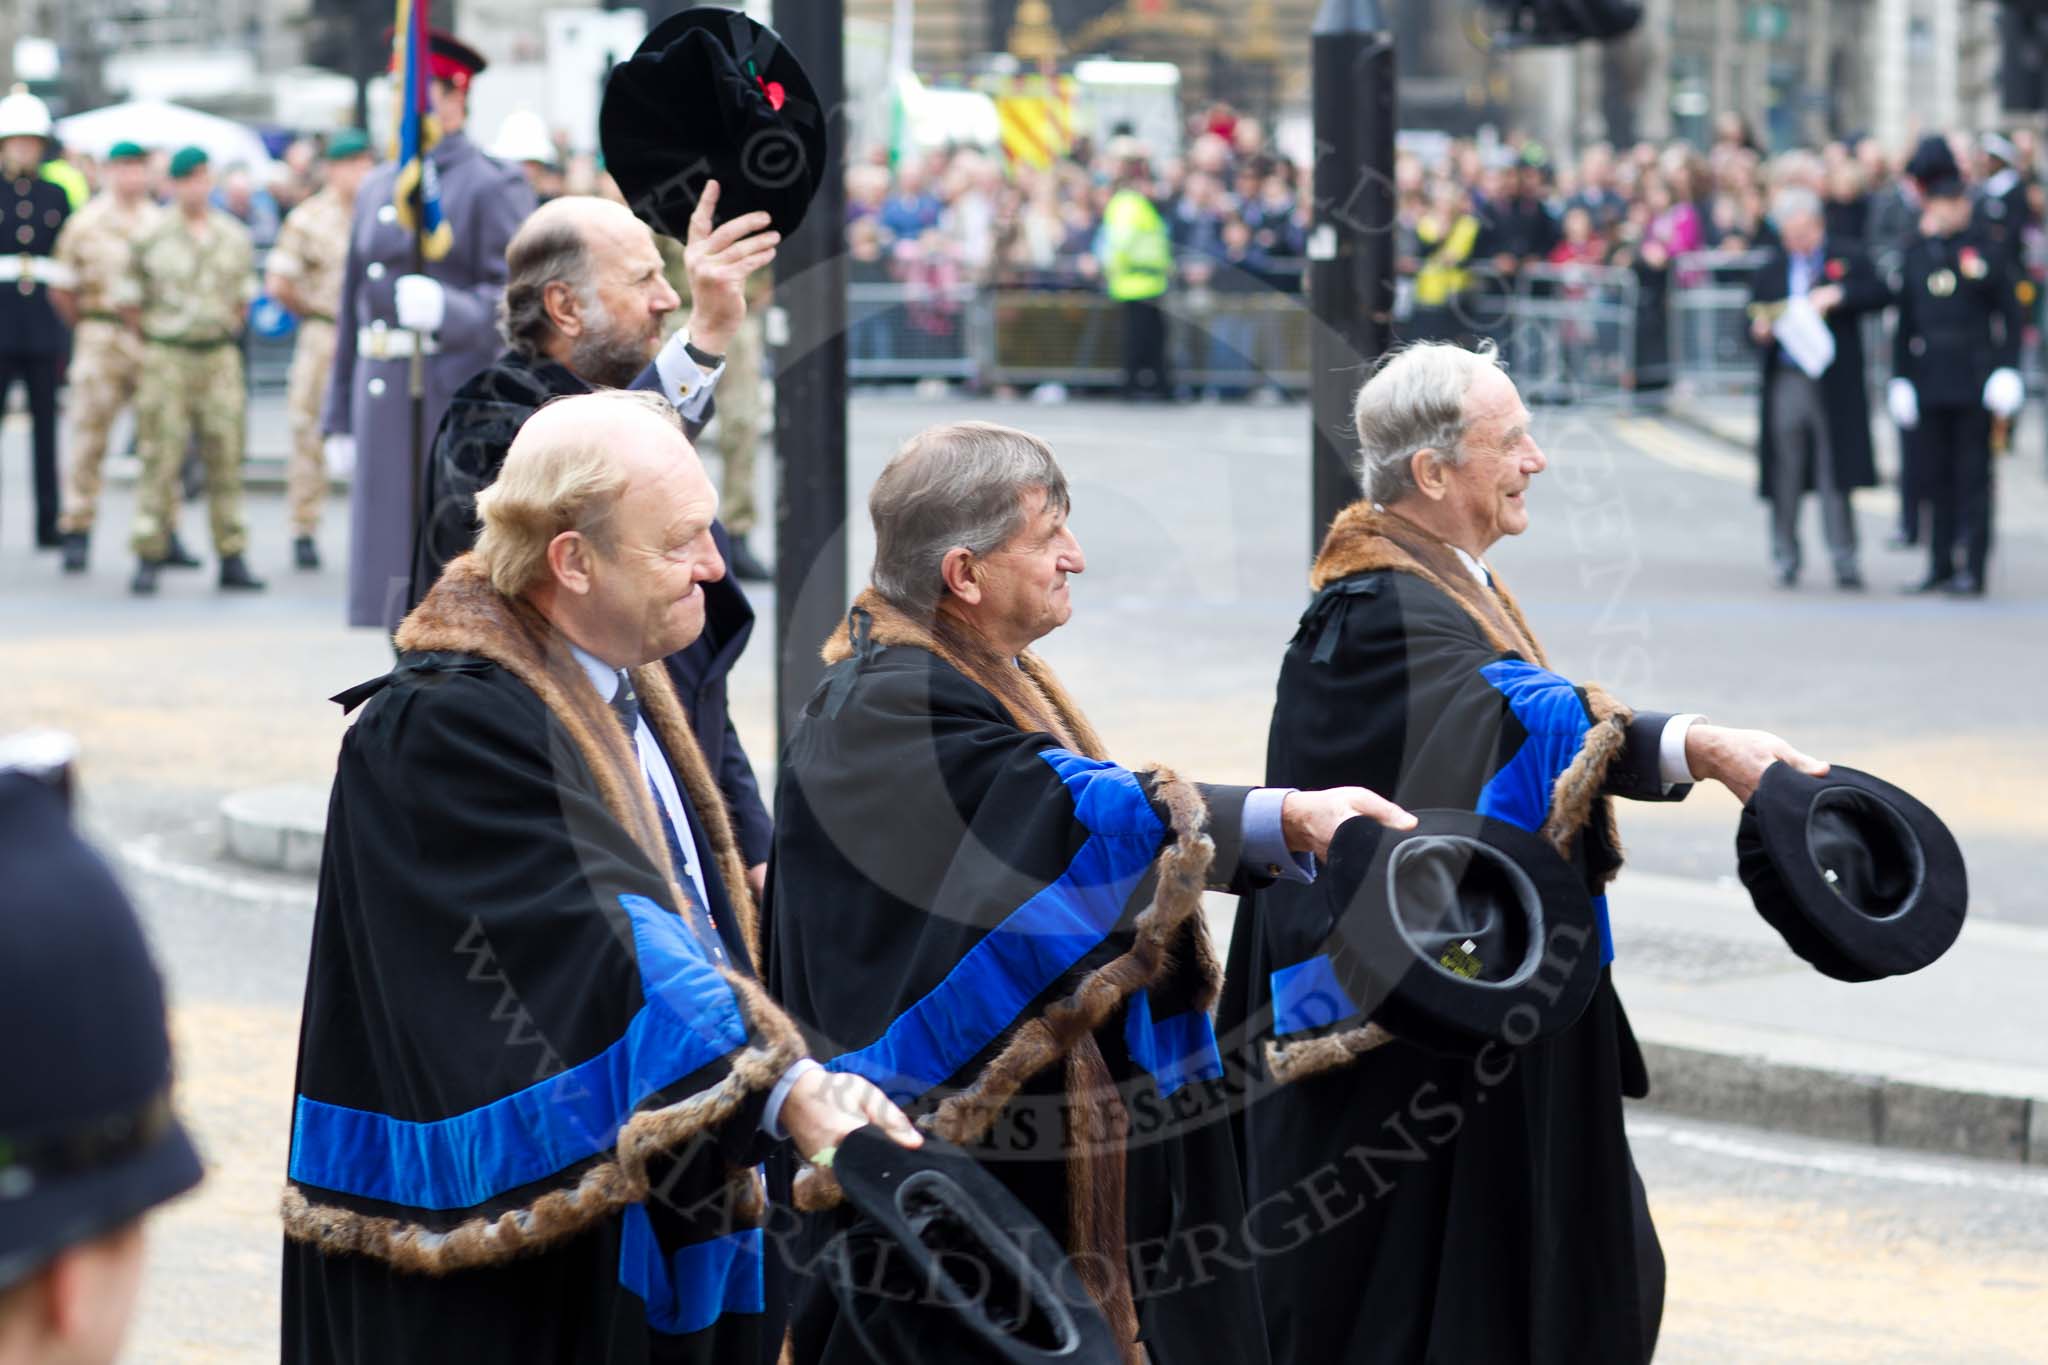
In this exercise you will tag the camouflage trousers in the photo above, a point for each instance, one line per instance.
(736, 428)
(305, 480)
(106, 365)
(187, 390)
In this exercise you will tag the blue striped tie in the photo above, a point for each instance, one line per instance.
(626, 705)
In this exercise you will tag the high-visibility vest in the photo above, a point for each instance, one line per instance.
(1137, 250)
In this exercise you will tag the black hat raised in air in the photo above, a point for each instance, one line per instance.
(713, 95)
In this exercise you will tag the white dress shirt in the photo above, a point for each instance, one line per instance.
(654, 764)
(684, 382)
(1672, 768)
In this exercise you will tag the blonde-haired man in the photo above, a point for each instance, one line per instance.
(533, 1050)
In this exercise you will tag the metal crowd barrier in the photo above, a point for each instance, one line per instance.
(1707, 309)
(1571, 333)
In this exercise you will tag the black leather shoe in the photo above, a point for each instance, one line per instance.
(1965, 584)
(1931, 583)
(76, 545)
(144, 582)
(1850, 580)
(176, 556)
(1788, 578)
(305, 554)
(1901, 541)
(745, 567)
(235, 575)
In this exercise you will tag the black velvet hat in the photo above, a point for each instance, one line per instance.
(1462, 931)
(1862, 880)
(945, 1265)
(713, 95)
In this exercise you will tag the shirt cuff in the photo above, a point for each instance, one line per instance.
(1264, 852)
(771, 1115)
(684, 382)
(1672, 769)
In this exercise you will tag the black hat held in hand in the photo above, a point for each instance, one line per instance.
(946, 1265)
(712, 95)
(1462, 931)
(1861, 879)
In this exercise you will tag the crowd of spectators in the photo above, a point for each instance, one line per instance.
(1477, 223)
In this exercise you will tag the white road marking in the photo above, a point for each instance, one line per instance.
(1871, 1166)
(145, 856)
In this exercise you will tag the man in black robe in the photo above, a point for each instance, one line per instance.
(536, 1072)
(583, 307)
(1412, 1207)
(1813, 432)
(973, 907)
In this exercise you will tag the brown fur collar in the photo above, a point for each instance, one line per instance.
(464, 614)
(1029, 690)
(1365, 538)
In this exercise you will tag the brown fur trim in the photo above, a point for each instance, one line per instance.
(1095, 1188)
(1364, 539)
(561, 1214)
(464, 614)
(1020, 687)
(1577, 793)
(816, 1189)
(1288, 1062)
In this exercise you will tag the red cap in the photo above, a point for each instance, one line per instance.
(448, 58)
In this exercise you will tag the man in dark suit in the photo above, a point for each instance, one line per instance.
(1814, 430)
(32, 338)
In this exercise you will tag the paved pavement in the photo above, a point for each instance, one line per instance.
(1646, 570)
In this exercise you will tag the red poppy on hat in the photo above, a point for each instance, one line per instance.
(448, 58)
(1972, 263)
(1836, 270)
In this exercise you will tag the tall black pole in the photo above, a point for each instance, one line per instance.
(810, 382)
(1351, 246)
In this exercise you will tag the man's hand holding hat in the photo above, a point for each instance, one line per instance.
(719, 261)
(1737, 758)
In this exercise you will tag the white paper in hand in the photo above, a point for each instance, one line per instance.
(1805, 338)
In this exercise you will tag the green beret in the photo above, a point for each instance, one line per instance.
(347, 143)
(188, 160)
(126, 151)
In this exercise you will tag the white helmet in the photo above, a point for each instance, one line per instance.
(523, 136)
(23, 115)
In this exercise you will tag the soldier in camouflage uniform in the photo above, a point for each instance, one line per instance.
(188, 291)
(97, 246)
(304, 274)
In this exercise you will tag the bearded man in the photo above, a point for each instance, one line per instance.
(976, 909)
(583, 308)
(1415, 1207)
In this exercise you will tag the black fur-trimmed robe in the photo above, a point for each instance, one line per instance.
(1413, 1208)
(526, 1123)
(972, 907)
